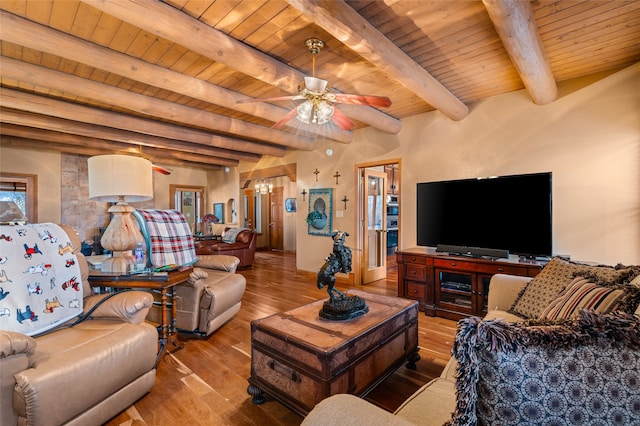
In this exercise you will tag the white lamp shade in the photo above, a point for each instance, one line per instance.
(11, 213)
(115, 176)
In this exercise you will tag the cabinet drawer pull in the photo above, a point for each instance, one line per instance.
(415, 291)
(413, 259)
(413, 272)
(284, 370)
(454, 264)
(500, 269)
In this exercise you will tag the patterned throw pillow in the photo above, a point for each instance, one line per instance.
(544, 287)
(554, 277)
(582, 294)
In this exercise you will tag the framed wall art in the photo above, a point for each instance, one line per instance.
(291, 205)
(218, 211)
(320, 217)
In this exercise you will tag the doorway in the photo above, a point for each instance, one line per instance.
(189, 200)
(374, 252)
(378, 219)
(276, 228)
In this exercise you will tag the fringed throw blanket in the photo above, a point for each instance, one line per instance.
(168, 237)
(40, 283)
(577, 371)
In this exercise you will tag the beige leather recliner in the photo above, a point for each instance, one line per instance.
(80, 375)
(209, 298)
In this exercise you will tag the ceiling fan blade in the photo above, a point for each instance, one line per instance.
(286, 118)
(341, 120)
(160, 169)
(368, 100)
(279, 98)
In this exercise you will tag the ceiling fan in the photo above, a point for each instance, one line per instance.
(155, 167)
(318, 106)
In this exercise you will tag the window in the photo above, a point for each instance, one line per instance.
(22, 189)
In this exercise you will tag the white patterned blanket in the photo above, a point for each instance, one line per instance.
(40, 283)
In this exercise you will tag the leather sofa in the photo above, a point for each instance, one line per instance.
(244, 247)
(459, 395)
(82, 374)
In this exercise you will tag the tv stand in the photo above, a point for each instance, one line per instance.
(453, 287)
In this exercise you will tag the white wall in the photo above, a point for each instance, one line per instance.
(589, 139)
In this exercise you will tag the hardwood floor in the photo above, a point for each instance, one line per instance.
(206, 381)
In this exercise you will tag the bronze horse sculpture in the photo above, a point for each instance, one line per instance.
(340, 306)
(338, 261)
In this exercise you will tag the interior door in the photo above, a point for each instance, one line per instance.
(276, 237)
(374, 252)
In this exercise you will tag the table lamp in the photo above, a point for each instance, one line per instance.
(10, 214)
(120, 178)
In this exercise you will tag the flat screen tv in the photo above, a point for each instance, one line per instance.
(503, 213)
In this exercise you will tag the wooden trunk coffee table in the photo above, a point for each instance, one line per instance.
(300, 359)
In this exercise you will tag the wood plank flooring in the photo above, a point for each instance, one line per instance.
(205, 383)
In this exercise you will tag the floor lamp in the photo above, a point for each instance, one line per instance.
(120, 178)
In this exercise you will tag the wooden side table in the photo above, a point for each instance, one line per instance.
(162, 281)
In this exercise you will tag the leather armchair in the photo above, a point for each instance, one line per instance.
(244, 248)
(211, 296)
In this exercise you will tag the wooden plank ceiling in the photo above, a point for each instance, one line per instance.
(163, 78)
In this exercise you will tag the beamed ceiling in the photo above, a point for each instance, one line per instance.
(164, 78)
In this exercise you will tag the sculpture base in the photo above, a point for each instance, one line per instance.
(343, 309)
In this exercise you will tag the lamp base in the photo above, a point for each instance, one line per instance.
(120, 262)
(121, 237)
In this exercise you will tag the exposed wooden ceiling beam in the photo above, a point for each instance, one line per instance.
(105, 146)
(345, 24)
(149, 106)
(78, 140)
(16, 99)
(170, 23)
(44, 122)
(17, 142)
(39, 37)
(516, 26)
(289, 170)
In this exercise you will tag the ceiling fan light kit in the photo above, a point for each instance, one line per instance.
(318, 106)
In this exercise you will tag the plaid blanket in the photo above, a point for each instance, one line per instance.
(40, 283)
(168, 237)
